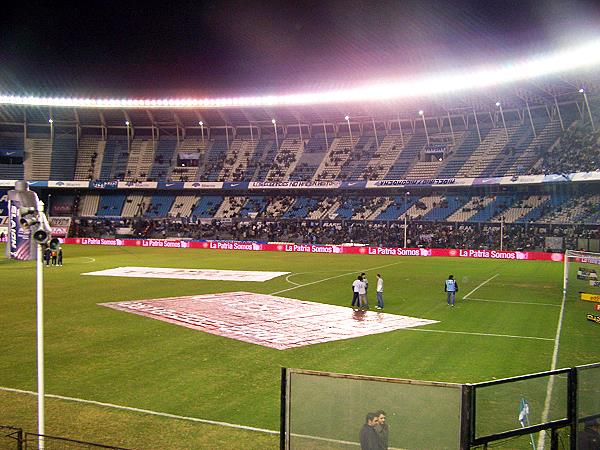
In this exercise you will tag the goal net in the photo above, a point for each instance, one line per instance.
(582, 276)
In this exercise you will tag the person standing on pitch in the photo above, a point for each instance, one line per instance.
(451, 288)
(355, 299)
(60, 256)
(379, 292)
(366, 282)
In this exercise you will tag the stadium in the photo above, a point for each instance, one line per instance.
(211, 244)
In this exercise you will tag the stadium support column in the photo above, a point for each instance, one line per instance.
(582, 91)
(530, 118)
(562, 125)
(40, 346)
(477, 125)
(422, 114)
(326, 140)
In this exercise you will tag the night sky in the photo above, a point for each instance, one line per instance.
(227, 48)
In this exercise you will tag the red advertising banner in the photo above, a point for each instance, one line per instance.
(330, 249)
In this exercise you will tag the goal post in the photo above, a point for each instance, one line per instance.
(581, 276)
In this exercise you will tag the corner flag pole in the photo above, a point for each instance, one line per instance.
(40, 339)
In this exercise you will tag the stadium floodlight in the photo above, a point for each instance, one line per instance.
(581, 91)
(346, 118)
(273, 121)
(468, 78)
(421, 112)
(50, 121)
(127, 122)
(497, 103)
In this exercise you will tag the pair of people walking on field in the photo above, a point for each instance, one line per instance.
(360, 287)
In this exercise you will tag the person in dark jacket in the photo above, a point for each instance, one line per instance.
(369, 440)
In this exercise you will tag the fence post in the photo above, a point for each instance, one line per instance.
(466, 417)
(283, 407)
(572, 408)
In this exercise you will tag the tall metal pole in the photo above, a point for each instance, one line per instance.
(406, 194)
(498, 104)
(350, 131)
(422, 114)
(128, 137)
(530, 118)
(451, 129)
(274, 122)
(375, 130)
(326, 140)
(401, 134)
(562, 125)
(202, 129)
(40, 339)
(501, 233)
(477, 125)
(588, 108)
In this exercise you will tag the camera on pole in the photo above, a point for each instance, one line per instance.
(36, 221)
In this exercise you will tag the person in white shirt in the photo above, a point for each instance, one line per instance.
(355, 299)
(362, 294)
(379, 292)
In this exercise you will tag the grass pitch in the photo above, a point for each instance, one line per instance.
(506, 327)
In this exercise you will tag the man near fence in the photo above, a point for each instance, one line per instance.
(369, 440)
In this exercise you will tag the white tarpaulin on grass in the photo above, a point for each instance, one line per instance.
(188, 274)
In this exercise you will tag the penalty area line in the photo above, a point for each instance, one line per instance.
(514, 303)
(478, 334)
(144, 411)
(330, 278)
(482, 284)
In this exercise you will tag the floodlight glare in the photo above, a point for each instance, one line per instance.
(273, 121)
(581, 91)
(50, 121)
(497, 103)
(467, 78)
(421, 112)
(127, 122)
(200, 123)
(347, 117)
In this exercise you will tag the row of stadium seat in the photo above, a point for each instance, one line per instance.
(482, 152)
(513, 208)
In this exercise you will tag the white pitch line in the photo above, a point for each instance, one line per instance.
(546, 411)
(288, 279)
(514, 303)
(144, 411)
(478, 334)
(485, 282)
(331, 278)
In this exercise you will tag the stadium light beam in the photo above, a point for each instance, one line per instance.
(469, 78)
(582, 91)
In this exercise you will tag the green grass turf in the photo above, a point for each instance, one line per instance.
(100, 354)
